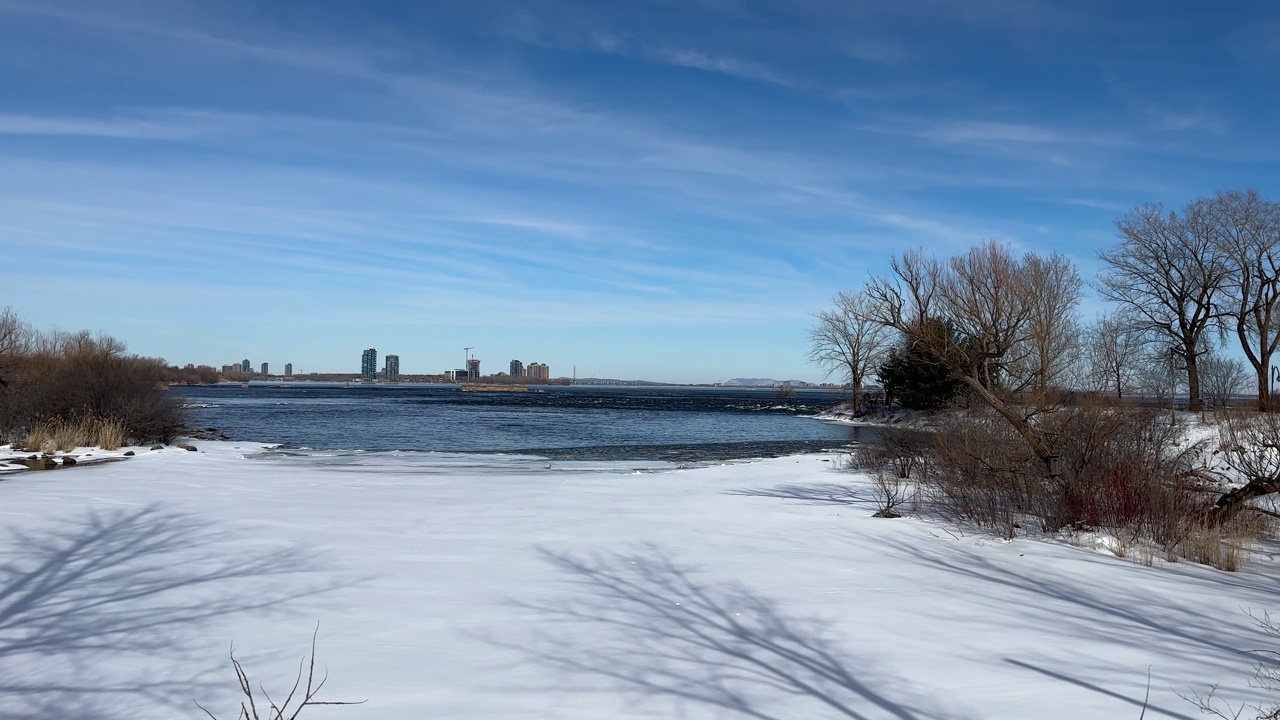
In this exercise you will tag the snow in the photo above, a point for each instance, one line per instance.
(456, 586)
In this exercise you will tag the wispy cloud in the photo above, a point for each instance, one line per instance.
(1172, 108)
(1195, 119)
(1096, 204)
(285, 50)
(723, 64)
(571, 32)
(990, 133)
(124, 128)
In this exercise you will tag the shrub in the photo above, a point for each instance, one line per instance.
(1120, 470)
(891, 492)
(299, 697)
(983, 473)
(1123, 467)
(893, 457)
(77, 389)
(901, 450)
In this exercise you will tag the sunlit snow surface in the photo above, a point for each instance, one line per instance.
(465, 586)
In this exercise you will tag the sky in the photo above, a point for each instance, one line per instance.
(650, 190)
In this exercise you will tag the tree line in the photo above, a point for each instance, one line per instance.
(1005, 329)
(1181, 284)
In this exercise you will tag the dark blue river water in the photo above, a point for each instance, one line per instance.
(569, 423)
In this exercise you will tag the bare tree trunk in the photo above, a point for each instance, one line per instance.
(1194, 402)
(1039, 445)
(1264, 386)
(1231, 503)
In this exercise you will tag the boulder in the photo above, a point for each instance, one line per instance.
(205, 434)
(37, 462)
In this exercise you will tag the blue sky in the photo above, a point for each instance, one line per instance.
(660, 190)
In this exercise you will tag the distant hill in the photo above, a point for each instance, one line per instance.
(759, 382)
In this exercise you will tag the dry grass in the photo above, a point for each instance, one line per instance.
(44, 437)
(55, 435)
(1226, 546)
(111, 434)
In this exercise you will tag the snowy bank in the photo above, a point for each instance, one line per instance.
(898, 417)
(494, 587)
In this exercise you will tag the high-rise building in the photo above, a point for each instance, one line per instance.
(537, 371)
(517, 368)
(245, 365)
(288, 369)
(264, 369)
(473, 368)
(393, 367)
(369, 364)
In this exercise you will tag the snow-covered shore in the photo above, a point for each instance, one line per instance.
(917, 419)
(474, 587)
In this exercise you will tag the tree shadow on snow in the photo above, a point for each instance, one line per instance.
(643, 624)
(1101, 613)
(811, 493)
(104, 615)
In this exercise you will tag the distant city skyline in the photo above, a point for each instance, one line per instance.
(391, 371)
(637, 192)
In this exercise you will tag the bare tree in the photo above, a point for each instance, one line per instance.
(15, 339)
(1247, 231)
(847, 340)
(1053, 326)
(1114, 354)
(1221, 378)
(979, 315)
(1169, 271)
(1159, 374)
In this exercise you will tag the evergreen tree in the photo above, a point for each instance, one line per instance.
(916, 381)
